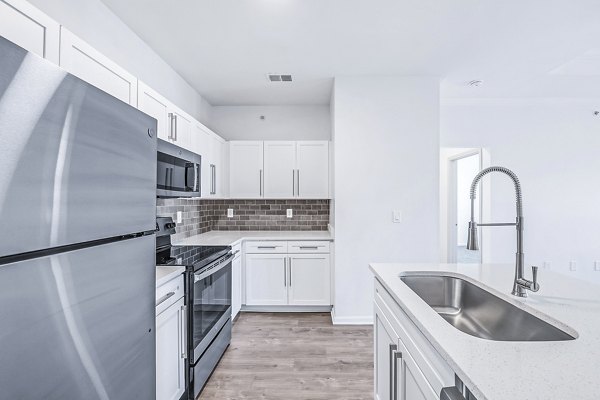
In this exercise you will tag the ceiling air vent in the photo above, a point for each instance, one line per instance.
(279, 77)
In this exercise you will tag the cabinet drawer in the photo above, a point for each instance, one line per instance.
(266, 247)
(308, 247)
(169, 293)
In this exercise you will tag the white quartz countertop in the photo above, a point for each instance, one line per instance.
(229, 238)
(496, 370)
(165, 273)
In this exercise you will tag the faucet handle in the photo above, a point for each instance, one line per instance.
(535, 285)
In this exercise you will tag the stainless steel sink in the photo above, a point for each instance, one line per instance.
(480, 313)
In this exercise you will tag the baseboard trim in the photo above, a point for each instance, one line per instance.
(286, 308)
(351, 320)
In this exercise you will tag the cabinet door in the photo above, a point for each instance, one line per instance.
(182, 129)
(266, 279)
(411, 384)
(201, 144)
(81, 59)
(312, 170)
(236, 286)
(280, 164)
(157, 107)
(309, 280)
(246, 169)
(217, 146)
(170, 352)
(28, 27)
(386, 346)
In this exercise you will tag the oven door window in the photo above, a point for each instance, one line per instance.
(212, 300)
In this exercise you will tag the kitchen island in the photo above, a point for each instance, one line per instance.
(502, 370)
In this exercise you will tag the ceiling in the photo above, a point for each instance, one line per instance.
(226, 48)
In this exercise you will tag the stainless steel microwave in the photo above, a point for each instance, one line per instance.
(177, 172)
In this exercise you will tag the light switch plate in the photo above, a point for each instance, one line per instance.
(289, 213)
(572, 266)
(596, 265)
(396, 216)
(179, 217)
(230, 213)
(547, 265)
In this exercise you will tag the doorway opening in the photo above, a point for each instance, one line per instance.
(465, 169)
(459, 167)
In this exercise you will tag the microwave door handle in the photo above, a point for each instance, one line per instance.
(196, 175)
(185, 176)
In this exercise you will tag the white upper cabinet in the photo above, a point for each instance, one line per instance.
(156, 106)
(81, 59)
(312, 170)
(28, 27)
(181, 124)
(279, 169)
(174, 125)
(213, 150)
(246, 169)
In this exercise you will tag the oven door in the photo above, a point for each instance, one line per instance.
(177, 172)
(211, 306)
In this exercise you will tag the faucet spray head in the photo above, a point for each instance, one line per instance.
(472, 236)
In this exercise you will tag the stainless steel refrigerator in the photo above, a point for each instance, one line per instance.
(77, 244)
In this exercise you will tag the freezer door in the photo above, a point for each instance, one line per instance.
(76, 164)
(80, 325)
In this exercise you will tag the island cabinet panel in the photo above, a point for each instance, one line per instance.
(406, 365)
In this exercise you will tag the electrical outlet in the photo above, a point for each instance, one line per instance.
(230, 213)
(572, 266)
(547, 265)
(289, 213)
(596, 265)
(179, 217)
(396, 216)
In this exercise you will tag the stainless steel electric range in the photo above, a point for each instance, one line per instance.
(208, 301)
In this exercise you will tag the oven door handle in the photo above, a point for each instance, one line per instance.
(214, 268)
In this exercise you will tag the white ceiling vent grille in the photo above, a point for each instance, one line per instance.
(279, 77)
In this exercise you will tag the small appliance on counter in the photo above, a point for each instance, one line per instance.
(208, 300)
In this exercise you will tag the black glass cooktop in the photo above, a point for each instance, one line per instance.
(191, 256)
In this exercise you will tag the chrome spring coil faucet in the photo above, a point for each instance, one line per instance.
(520, 285)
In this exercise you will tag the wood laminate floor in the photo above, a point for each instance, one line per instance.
(294, 356)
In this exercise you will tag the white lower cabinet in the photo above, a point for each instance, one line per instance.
(273, 277)
(266, 279)
(171, 340)
(398, 376)
(236, 286)
(309, 280)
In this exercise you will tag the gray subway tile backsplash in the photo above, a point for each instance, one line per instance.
(200, 215)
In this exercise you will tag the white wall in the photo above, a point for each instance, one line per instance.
(92, 21)
(386, 157)
(553, 147)
(280, 123)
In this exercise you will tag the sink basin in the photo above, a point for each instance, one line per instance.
(478, 312)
